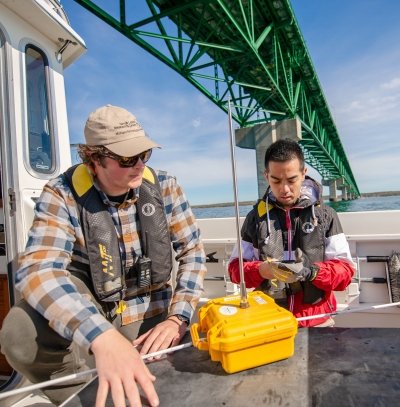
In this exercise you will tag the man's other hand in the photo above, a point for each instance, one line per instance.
(163, 336)
(121, 369)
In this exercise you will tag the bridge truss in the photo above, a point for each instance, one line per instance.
(249, 51)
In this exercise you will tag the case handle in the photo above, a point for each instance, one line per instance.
(200, 344)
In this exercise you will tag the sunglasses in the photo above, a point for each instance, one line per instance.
(126, 162)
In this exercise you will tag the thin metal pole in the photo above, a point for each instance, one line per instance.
(243, 293)
(349, 310)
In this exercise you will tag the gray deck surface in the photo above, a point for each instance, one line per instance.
(331, 367)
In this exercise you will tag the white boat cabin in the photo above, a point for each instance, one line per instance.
(36, 45)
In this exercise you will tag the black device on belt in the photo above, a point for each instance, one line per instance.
(142, 270)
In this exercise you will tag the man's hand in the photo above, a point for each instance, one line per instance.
(121, 369)
(288, 272)
(164, 335)
(292, 272)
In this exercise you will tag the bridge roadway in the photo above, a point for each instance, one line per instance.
(331, 367)
(249, 51)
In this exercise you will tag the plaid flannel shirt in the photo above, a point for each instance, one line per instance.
(56, 238)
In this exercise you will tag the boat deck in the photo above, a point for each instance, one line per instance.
(331, 367)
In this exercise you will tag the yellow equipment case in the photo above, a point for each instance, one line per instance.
(243, 338)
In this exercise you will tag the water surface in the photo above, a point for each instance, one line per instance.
(375, 203)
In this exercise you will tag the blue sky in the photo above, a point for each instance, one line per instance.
(354, 48)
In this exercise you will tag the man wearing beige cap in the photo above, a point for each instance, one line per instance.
(96, 272)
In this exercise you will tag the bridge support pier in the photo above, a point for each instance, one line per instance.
(343, 187)
(334, 185)
(332, 189)
(261, 136)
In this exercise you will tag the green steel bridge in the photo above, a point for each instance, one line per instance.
(250, 52)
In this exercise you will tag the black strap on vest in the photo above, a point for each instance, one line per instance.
(154, 228)
(100, 236)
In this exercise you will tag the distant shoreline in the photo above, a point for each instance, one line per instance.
(243, 203)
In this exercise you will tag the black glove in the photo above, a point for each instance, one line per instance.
(292, 272)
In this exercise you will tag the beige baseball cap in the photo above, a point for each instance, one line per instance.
(118, 130)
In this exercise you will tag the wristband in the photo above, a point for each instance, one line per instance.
(181, 318)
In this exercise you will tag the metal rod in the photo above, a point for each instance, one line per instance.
(51, 382)
(74, 376)
(168, 350)
(348, 311)
(375, 259)
(243, 293)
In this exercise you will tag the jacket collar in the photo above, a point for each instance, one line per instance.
(310, 194)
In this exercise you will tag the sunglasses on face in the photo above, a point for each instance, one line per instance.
(126, 162)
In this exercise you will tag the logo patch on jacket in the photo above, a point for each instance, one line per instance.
(307, 227)
(148, 209)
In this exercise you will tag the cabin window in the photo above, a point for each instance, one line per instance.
(41, 157)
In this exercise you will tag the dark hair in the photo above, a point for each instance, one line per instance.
(88, 154)
(284, 150)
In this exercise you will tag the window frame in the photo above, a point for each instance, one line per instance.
(37, 171)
